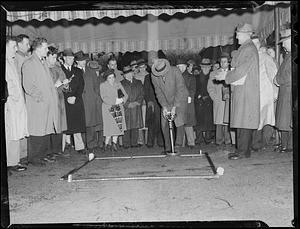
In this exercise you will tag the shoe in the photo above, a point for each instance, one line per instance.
(135, 146)
(233, 156)
(47, 159)
(140, 145)
(149, 146)
(40, 163)
(285, 150)
(106, 147)
(166, 152)
(82, 151)
(126, 147)
(277, 148)
(19, 168)
(191, 146)
(114, 147)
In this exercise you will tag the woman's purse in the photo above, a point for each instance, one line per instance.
(120, 94)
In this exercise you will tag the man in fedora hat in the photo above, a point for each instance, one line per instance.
(132, 107)
(244, 80)
(203, 105)
(73, 101)
(172, 95)
(91, 100)
(283, 118)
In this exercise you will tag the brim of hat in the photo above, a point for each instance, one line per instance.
(68, 54)
(206, 65)
(125, 72)
(284, 39)
(81, 59)
(161, 73)
(244, 31)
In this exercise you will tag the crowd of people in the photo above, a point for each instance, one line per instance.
(62, 100)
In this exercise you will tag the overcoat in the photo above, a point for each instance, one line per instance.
(245, 108)
(149, 96)
(37, 83)
(109, 94)
(284, 103)
(190, 82)
(19, 60)
(75, 112)
(91, 98)
(15, 108)
(203, 105)
(135, 92)
(214, 89)
(268, 90)
(58, 74)
(172, 92)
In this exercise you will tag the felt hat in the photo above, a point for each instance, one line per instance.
(127, 69)
(245, 28)
(68, 52)
(80, 56)
(205, 62)
(285, 32)
(94, 65)
(189, 62)
(140, 62)
(108, 73)
(160, 67)
(133, 63)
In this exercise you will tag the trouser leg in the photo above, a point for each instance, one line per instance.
(12, 152)
(227, 135)
(23, 147)
(257, 139)
(286, 139)
(56, 142)
(267, 135)
(189, 131)
(37, 147)
(219, 134)
(244, 139)
(100, 138)
(78, 142)
(179, 135)
(91, 137)
(134, 137)
(126, 138)
(233, 136)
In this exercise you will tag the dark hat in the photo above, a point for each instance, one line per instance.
(127, 69)
(160, 67)
(68, 52)
(189, 62)
(132, 63)
(205, 62)
(180, 61)
(94, 65)
(245, 28)
(80, 56)
(140, 62)
(108, 73)
(285, 32)
(225, 55)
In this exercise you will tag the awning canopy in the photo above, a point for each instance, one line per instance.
(138, 29)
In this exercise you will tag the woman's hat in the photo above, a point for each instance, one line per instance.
(133, 63)
(140, 62)
(127, 69)
(108, 73)
(80, 56)
(205, 62)
(94, 65)
(245, 28)
(68, 52)
(189, 62)
(160, 67)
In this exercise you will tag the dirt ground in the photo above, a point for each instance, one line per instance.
(257, 188)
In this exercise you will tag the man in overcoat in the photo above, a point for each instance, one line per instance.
(244, 80)
(73, 101)
(132, 107)
(284, 114)
(41, 102)
(91, 100)
(172, 95)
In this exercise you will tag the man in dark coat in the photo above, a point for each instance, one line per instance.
(204, 105)
(284, 104)
(132, 107)
(245, 99)
(91, 100)
(73, 101)
(172, 95)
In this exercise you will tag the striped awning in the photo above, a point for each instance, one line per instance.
(86, 14)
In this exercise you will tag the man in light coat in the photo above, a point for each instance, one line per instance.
(268, 95)
(15, 109)
(245, 100)
(172, 95)
(41, 102)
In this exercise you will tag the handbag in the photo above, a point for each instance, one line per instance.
(120, 94)
(116, 113)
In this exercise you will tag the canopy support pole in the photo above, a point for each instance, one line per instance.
(277, 29)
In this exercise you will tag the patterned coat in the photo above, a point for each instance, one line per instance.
(40, 96)
(109, 94)
(172, 92)
(75, 112)
(190, 82)
(135, 92)
(284, 104)
(15, 108)
(245, 108)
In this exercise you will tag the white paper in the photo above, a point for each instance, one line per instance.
(189, 99)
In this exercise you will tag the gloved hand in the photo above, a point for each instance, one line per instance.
(165, 112)
(173, 111)
(119, 101)
(71, 100)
